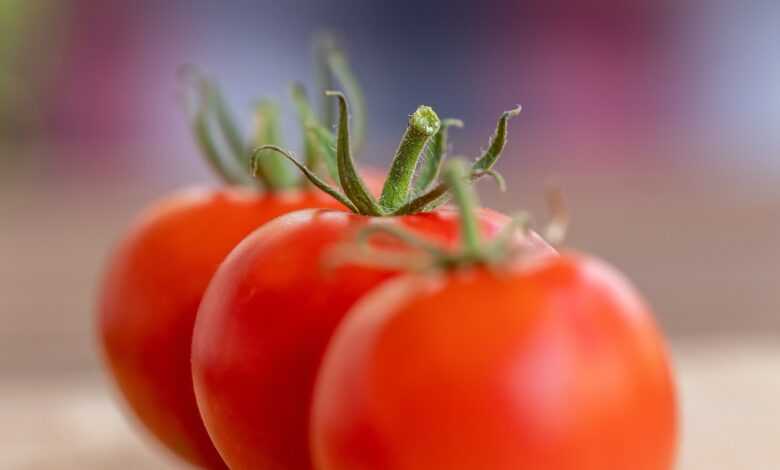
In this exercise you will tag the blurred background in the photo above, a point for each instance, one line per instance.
(659, 120)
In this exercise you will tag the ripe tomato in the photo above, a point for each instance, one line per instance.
(151, 293)
(157, 278)
(266, 319)
(553, 365)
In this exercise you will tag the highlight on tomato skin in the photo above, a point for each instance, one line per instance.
(149, 297)
(556, 365)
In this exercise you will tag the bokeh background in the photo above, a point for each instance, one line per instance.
(659, 120)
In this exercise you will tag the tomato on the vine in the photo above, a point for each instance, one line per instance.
(265, 321)
(272, 306)
(501, 363)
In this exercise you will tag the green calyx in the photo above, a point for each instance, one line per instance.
(333, 68)
(230, 153)
(411, 186)
(427, 255)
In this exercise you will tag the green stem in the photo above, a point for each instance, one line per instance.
(456, 177)
(471, 251)
(403, 235)
(434, 197)
(423, 124)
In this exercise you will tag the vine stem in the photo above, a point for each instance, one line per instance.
(426, 254)
(456, 177)
(423, 124)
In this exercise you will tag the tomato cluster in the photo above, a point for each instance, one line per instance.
(289, 330)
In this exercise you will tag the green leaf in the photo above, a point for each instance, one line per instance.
(341, 70)
(435, 153)
(200, 108)
(310, 175)
(351, 182)
(333, 67)
(306, 118)
(272, 169)
(202, 131)
(497, 142)
(324, 43)
(327, 145)
(227, 126)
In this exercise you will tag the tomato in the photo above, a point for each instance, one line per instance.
(553, 365)
(266, 319)
(151, 293)
(157, 277)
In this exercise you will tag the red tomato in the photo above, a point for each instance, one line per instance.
(556, 365)
(151, 294)
(266, 319)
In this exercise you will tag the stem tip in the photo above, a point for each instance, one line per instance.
(425, 121)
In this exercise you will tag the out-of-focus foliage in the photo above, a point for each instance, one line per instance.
(28, 38)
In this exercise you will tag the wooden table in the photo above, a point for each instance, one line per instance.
(731, 416)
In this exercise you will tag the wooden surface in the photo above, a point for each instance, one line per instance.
(731, 416)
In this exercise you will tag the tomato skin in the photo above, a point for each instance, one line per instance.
(555, 366)
(265, 322)
(150, 295)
